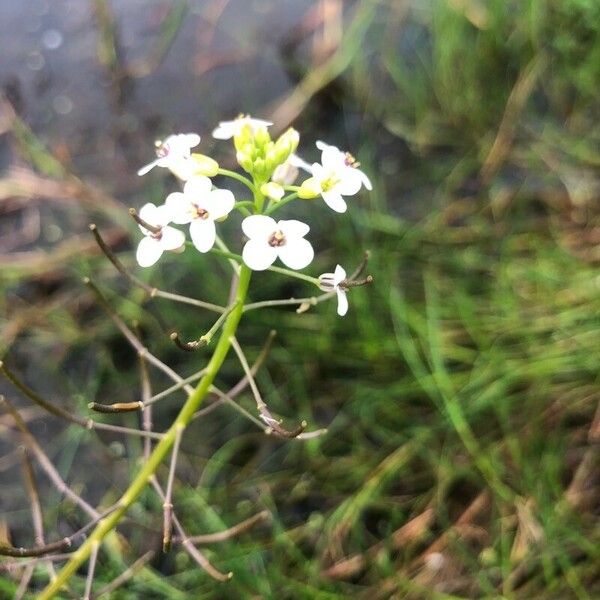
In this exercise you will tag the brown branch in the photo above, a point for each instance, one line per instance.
(45, 462)
(150, 290)
(262, 408)
(126, 575)
(63, 414)
(89, 580)
(226, 534)
(168, 502)
(36, 508)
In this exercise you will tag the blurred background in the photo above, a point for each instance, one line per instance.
(460, 392)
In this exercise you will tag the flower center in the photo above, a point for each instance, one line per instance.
(276, 239)
(330, 182)
(156, 235)
(162, 149)
(350, 161)
(199, 213)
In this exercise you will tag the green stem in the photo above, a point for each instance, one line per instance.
(294, 274)
(107, 524)
(237, 177)
(277, 205)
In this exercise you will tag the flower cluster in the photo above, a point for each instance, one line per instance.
(273, 167)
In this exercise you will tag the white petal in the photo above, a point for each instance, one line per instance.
(293, 229)
(255, 123)
(350, 181)
(182, 167)
(203, 234)
(342, 299)
(339, 275)
(191, 139)
(297, 162)
(171, 238)
(335, 201)
(224, 131)
(365, 179)
(296, 253)
(197, 187)
(152, 215)
(321, 145)
(332, 158)
(148, 252)
(147, 168)
(218, 203)
(259, 226)
(318, 172)
(180, 208)
(258, 255)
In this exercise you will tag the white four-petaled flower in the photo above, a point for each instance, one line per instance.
(200, 206)
(174, 153)
(336, 176)
(270, 239)
(162, 238)
(330, 282)
(228, 129)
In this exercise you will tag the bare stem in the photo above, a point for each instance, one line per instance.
(57, 411)
(46, 463)
(36, 508)
(126, 575)
(151, 291)
(168, 501)
(226, 534)
(147, 470)
(262, 408)
(206, 338)
(91, 569)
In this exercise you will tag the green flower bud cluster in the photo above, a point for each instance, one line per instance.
(259, 155)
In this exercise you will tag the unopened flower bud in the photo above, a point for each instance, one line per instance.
(272, 190)
(261, 136)
(245, 161)
(285, 174)
(204, 165)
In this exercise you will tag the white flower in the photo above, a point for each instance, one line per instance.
(228, 129)
(330, 282)
(270, 239)
(338, 175)
(174, 153)
(161, 238)
(200, 206)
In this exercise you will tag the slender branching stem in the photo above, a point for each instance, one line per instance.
(151, 291)
(57, 411)
(294, 274)
(168, 501)
(310, 301)
(226, 534)
(36, 508)
(275, 206)
(158, 454)
(89, 580)
(223, 247)
(262, 408)
(45, 462)
(237, 177)
(126, 575)
(204, 339)
(132, 338)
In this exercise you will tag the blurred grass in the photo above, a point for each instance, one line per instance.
(460, 392)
